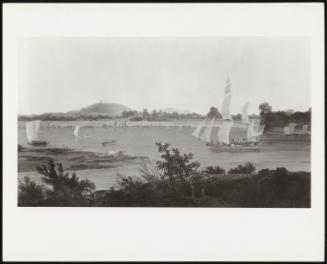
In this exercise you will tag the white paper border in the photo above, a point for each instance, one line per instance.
(100, 234)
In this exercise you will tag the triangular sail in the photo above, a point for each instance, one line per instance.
(196, 132)
(245, 118)
(253, 134)
(206, 136)
(76, 130)
(250, 131)
(224, 131)
(225, 109)
(227, 86)
(32, 129)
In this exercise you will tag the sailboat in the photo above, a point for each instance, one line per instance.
(223, 136)
(32, 133)
(76, 130)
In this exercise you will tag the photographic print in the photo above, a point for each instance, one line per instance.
(163, 132)
(164, 122)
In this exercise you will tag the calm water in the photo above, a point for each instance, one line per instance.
(276, 150)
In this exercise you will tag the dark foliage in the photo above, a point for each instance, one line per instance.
(246, 168)
(214, 170)
(64, 190)
(213, 112)
(30, 193)
(178, 183)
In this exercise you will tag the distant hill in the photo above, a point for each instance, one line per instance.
(104, 108)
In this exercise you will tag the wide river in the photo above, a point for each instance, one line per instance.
(277, 150)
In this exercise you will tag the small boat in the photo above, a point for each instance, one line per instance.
(108, 142)
(32, 133)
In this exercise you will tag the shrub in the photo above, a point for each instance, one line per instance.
(30, 193)
(214, 170)
(66, 190)
(246, 168)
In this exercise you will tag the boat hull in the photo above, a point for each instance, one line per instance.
(235, 148)
(38, 143)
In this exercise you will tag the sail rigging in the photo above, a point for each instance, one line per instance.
(224, 131)
(32, 130)
(252, 133)
(197, 131)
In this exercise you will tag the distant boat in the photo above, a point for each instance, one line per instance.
(76, 130)
(108, 142)
(32, 133)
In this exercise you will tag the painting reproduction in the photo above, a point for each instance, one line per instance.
(221, 122)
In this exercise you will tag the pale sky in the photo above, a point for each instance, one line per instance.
(63, 74)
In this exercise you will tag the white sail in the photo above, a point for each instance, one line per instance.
(227, 86)
(253, 133)
(250, 131)
(206, 136)
(225, 109)
(32, 130)
(245, 118)
(196, 132)
(224, 131)
(75, 133)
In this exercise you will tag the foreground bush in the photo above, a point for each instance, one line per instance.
(246, 168)
(62, 189)
(177, 182)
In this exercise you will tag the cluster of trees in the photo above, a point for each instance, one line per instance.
(65, 117)
(158, 115)
(178, 182)
(268, 117)
(282, 118)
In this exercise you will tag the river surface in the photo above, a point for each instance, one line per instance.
(277, 150)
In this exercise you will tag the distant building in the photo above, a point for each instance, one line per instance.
(290, 111)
